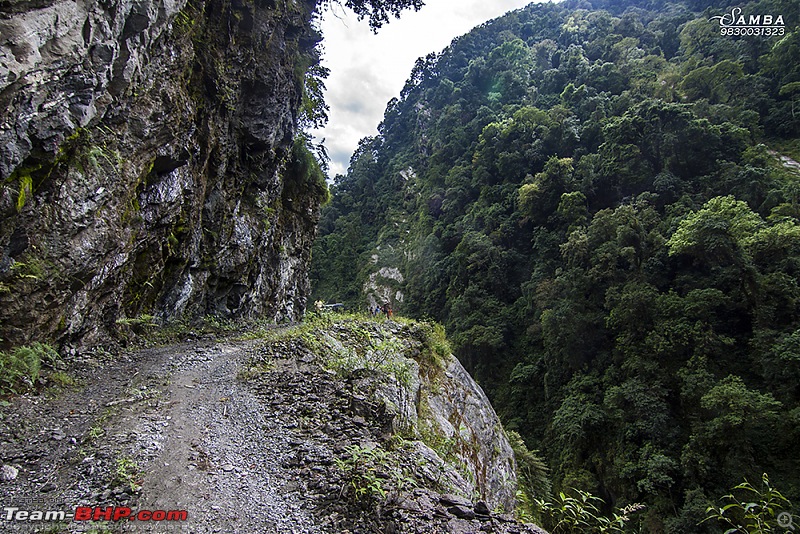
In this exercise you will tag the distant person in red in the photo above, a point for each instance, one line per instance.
(387, 309)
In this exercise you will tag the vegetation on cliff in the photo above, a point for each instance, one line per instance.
(600, 203)
(417, 392)
(152, 162)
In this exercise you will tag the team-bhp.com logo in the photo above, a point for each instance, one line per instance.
(88, 513)
(737, 23)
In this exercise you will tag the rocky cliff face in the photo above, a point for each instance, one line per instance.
(147, 163)
(406, 377)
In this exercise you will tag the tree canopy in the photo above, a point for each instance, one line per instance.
(599, 201)
(378, 11)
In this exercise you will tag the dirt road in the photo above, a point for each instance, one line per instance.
(164, 429)
(230, 436)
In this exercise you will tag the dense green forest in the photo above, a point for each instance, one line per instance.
(600, 202)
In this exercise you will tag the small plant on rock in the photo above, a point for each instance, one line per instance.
(369, 476)
(255, 370)
(142, 320)
(360, 469)
(127, 473)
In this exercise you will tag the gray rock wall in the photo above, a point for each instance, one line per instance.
(146, 163)
(460, 411)
(457, 437)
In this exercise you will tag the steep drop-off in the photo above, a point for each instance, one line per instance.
(148, 163)
(342, 424)
(599, 201)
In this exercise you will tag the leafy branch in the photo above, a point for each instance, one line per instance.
(755, 512)
(377, 11)
(580, 513)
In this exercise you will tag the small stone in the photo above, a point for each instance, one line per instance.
(481, 508)
(448, 499)
(462, 512)
(8, 473)
(48, 487)
(228, 468)
(505, 518)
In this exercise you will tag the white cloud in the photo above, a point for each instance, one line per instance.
(368, 70)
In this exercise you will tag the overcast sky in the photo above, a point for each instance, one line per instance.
(368, 70)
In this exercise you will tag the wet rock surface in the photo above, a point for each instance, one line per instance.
(246, 436)
(147, 166)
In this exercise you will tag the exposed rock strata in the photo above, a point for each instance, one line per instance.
(146, 163)
(410, 381)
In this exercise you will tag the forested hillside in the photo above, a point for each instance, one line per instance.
(601, 203)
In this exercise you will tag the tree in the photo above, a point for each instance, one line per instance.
(717, 83)
(717, 233)
(378, 11)
(592, 216)
(792, 90)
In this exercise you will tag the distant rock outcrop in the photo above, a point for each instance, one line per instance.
(148, 163)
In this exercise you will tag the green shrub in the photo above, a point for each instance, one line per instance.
(360, 468)
(437, 347)
(370, 474)
(754, 511)
(533, 475)
(20, 368)
(580, 514)
(307, 172)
